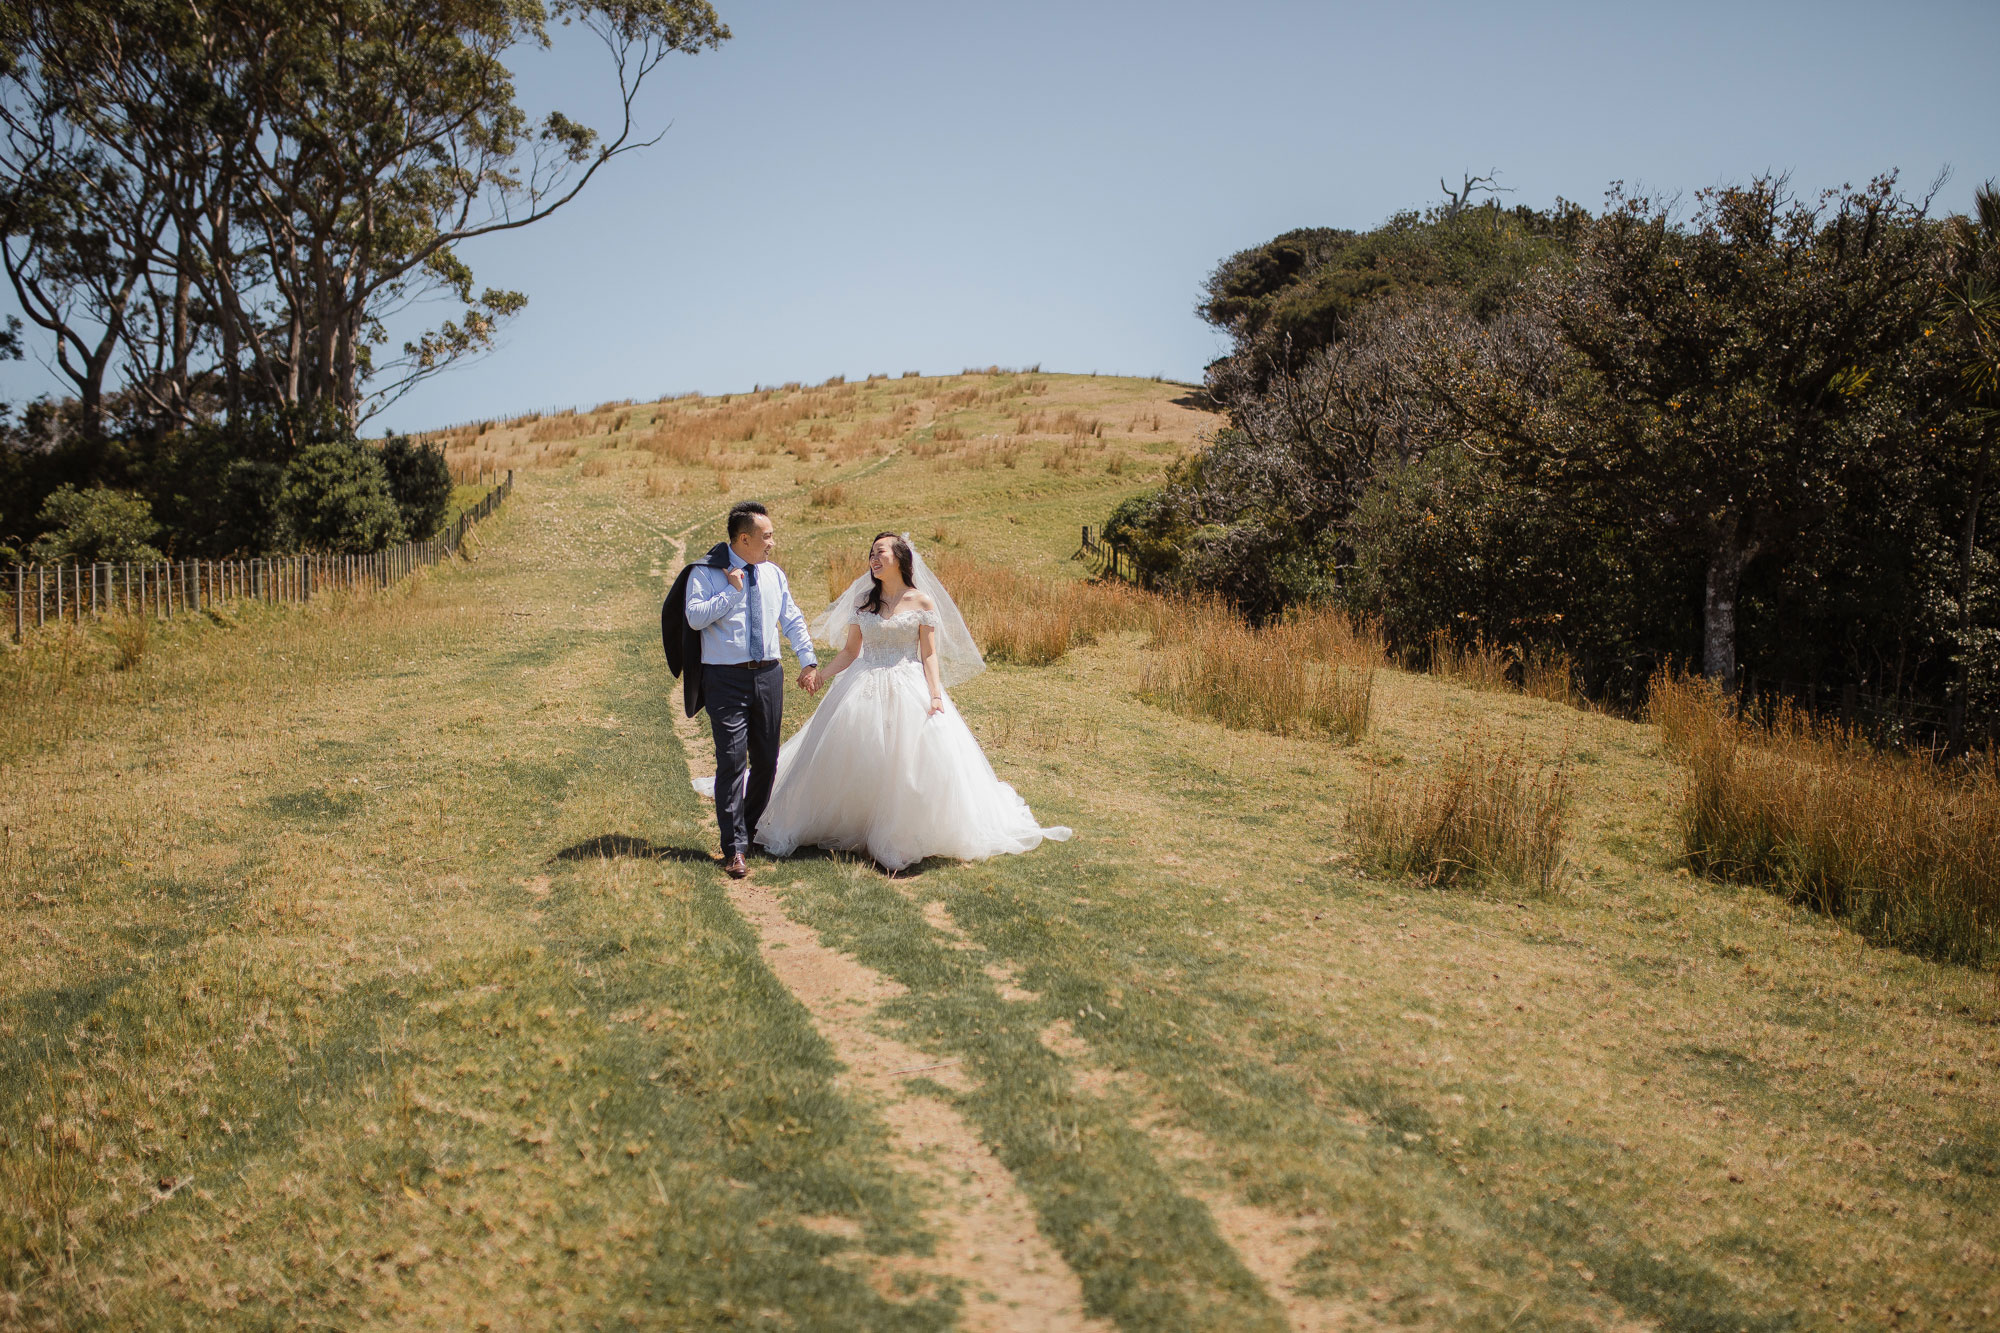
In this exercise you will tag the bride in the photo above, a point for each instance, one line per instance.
(886, 765)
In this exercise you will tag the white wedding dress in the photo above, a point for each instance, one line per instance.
(872, 771)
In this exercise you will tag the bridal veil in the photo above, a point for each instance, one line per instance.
(959, 659)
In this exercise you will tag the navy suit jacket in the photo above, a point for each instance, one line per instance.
(683, 644)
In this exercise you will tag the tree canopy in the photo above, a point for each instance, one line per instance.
(1756, 436)
(217, 208)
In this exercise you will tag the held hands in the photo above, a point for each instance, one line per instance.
(809, 679)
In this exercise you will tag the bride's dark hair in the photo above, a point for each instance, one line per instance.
(873, 601)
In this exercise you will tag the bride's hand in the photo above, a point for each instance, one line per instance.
(937, 705)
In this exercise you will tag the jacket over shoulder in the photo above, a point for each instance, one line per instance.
(682, 644)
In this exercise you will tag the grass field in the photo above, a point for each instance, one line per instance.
(368, 965)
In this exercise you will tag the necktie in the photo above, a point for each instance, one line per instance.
(756, 614)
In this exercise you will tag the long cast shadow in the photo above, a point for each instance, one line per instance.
(605, 846)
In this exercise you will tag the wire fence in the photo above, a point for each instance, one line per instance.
(1109, 558)
(42, 595)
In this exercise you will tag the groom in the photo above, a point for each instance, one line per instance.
(739, 601)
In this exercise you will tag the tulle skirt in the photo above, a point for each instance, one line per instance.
(872, 772)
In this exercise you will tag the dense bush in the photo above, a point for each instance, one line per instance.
(1445, 545)
(251, 485)
(94, 525)
(1756, 438)
(420, 479)
(217, 486)
(336, 497)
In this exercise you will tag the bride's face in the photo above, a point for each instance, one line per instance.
(882, 561)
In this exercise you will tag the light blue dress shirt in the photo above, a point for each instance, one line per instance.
(722, 614)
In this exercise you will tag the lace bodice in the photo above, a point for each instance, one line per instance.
(887, 641)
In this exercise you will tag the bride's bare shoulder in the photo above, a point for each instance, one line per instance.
(923, 601)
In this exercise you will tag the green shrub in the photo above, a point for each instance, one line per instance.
(336, 497)
(420, 480)
(1451, 559)
(86, 526)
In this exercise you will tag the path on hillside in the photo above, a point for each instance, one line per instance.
(375, 962)
(989, 1242)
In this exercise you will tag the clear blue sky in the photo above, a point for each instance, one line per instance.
(889, 186)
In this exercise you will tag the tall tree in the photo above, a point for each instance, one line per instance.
(240, 194)
(1722, 374)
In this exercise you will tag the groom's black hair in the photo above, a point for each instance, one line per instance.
(739, 517)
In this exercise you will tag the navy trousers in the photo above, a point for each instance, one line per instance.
(745, 709)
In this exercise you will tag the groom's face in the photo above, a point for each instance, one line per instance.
(756, 545)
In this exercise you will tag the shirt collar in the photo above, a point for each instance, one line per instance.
(736, 561)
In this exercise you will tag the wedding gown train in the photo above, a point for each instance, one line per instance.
(872, 771)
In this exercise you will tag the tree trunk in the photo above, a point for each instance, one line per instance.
(1728, 553)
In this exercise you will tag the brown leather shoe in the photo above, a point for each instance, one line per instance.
(735, 867)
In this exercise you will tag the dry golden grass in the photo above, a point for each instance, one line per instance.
(660, 486)
(832, 424)
(841, 567)
(830, 496)
(1033, 621)
(1550, 674)
(1908, 852)
(420, 995)
(1077, 425)
(1295, 677)
(130, 634)
(982, 455)
(1482, 665)
(1539, 672)
(1487, 814)
(1331, 635)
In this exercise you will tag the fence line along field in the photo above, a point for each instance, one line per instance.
(33, 595)
(366, 962)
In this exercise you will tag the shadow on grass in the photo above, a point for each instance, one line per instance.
(606, 846)
(911, 871)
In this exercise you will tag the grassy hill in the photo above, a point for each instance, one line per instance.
(368, 964)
